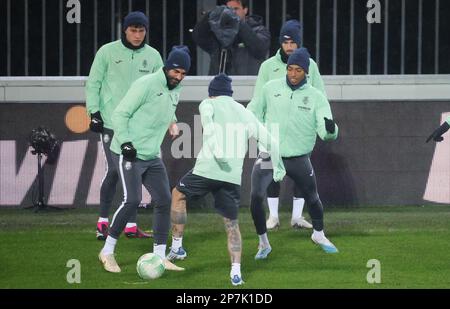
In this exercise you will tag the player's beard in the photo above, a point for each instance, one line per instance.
(172, 82)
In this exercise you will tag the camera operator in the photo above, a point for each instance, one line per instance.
(244, 38)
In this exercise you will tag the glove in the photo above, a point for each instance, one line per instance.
(96, 124)
(437, 134)
(128, 151)
(329, 125)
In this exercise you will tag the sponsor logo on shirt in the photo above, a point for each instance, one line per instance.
(159, 94)
(277, 95)
(144, 71)
(276, 70)
(304, 108)
(118, 61)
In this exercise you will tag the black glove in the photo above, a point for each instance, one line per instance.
(128, 151)
(96, 124)
(437, 134)
(329, 125)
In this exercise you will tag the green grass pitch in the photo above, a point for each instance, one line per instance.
(411, 243)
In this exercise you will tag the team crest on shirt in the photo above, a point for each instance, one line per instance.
(305, 100)
(106, 138)
(128, 165)
(144, 65)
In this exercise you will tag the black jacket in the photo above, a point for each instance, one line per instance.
(249, 50)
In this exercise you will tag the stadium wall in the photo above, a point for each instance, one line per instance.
(380, 158)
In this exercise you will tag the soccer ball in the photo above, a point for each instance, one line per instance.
(150, 266)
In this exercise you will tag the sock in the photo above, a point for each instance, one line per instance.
(100, 219)
(273, 206)
(297, 207)
(110, 245)
(160, 250)
(177, 242)
(130, 225)
(235, 269)
(318, 234)
(264, 240)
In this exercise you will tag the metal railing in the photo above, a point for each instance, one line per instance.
(314, 32)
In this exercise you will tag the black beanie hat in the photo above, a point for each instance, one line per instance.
(220, 85)
(300, 57)
(135, 18)
(291, 31)
(179, 57)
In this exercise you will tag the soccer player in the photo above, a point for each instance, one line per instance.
(227, 125)
(140, 122)
(437, 134)
(116, 66)
(273, 68)
(301, 112)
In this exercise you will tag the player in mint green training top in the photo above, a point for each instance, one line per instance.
(273, 68)
(140, 122)
(299, 112)
(227, 126)
(116, 66)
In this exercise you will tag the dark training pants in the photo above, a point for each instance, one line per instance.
(109, 182)
(153, 175)
(227, 196)
(300, 170)
(274, 190)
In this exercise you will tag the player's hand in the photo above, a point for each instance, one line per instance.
(174, 131)
(329, 125)
(278, 174)
(128, 151)
(437, 134)
(96, 124)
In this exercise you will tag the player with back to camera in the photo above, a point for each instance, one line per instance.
(227, 126)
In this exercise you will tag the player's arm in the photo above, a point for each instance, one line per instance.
(260, 82)
(267, 141)
(326, 128)
(130, 103)
(437, 134)
(258, 105)
(94, 82)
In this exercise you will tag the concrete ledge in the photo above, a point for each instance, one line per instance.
(339, 88)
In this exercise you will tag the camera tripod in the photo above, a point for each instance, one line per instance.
(40, 205)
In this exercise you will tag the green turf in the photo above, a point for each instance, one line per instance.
(411, 243)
